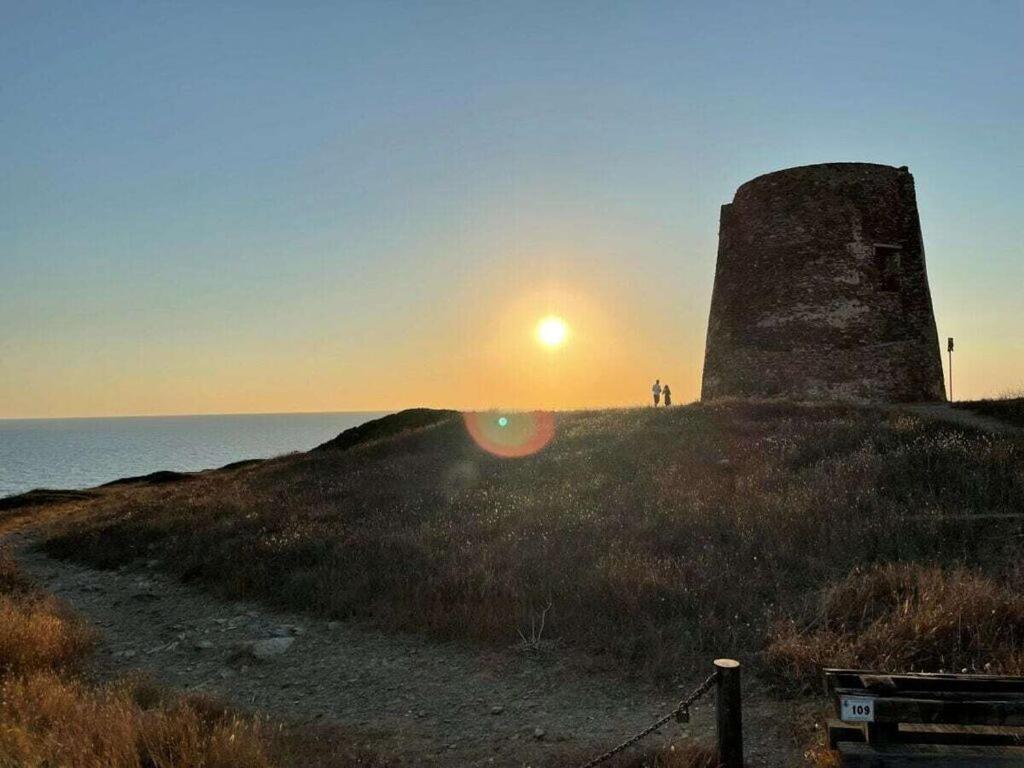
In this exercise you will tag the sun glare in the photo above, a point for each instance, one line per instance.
(552, 331)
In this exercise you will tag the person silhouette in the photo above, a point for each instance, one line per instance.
(668, 395)
(656, 391)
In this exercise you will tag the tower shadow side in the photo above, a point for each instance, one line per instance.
(821, 290)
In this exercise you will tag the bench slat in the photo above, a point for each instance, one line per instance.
(851, 678)
(892, 710)
(878, 695)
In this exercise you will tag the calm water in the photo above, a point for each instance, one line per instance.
(79, 453)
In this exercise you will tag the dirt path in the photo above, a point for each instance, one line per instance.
(435, 704)
(959, 416)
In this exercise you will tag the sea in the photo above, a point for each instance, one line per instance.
(81, 453)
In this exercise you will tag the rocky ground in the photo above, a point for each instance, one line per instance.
(431, 703)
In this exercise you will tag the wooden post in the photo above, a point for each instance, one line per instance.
(730, 713)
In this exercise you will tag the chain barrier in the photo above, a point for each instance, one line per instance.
(680, 713)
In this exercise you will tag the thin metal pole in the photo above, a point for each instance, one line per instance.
(730, 713)
(951, 375)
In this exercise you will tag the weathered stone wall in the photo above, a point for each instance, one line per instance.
(821, 289)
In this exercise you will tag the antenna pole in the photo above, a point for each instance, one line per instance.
(949, 348)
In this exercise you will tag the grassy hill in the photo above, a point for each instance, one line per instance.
(790, 535)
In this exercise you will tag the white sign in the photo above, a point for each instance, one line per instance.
(856, 709)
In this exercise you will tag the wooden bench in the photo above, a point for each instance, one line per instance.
(926, 719)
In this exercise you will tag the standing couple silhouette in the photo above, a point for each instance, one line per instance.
(658, 390)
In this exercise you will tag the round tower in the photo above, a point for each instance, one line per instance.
(821, 290)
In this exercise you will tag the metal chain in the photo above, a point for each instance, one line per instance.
(682, 708)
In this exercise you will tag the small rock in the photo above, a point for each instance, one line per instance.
(333, 624)
(497, 709)
(539, 733)
(129, 654)
(272, 646)
(202, 645)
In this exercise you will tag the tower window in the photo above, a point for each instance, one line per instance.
(887, 265)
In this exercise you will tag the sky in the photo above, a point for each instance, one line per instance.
(272, 207)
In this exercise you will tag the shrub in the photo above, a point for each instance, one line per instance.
(36, 634)
(49, 720)
(904, 617)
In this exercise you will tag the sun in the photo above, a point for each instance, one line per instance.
(552, 331)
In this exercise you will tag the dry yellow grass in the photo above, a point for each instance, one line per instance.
(905, 617)
(36, 634)
(47, 720)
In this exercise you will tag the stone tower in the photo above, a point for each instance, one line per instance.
(821, 290)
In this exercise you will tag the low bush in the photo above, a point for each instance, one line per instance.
(36, 634)
(903, 617)
(51, 720)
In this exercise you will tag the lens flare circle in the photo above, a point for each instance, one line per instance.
(552, 331)
(511, 435)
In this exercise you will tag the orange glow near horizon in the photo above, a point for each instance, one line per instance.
(504, 339)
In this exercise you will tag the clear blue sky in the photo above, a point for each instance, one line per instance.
(214, 207)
